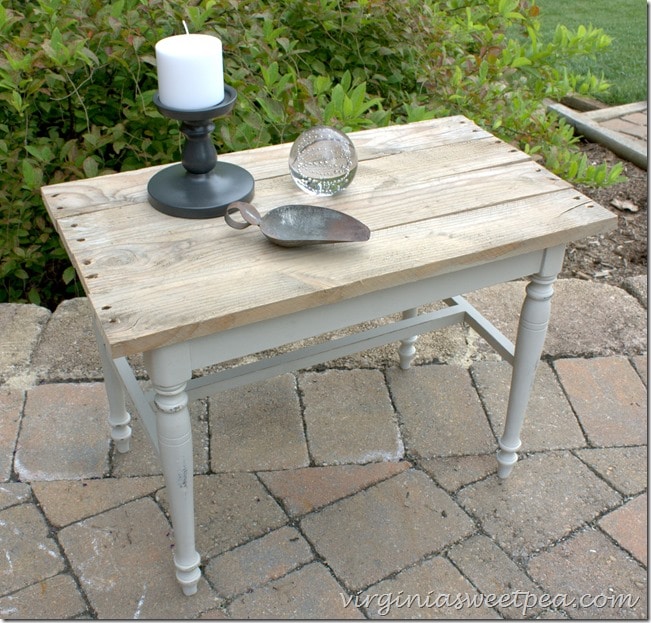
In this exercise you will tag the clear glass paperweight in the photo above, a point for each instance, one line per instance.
(322, 161)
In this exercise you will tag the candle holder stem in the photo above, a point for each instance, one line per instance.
(199, 153)
(201, 186)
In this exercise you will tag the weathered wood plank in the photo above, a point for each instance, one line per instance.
(91, 195)
(384, 186)
(612, 112)
(264, 281)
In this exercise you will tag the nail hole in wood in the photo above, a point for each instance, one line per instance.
(92, 276)
(106, 307)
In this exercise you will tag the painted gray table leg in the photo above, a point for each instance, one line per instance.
(532, 330)
(119, 417)
(169, 371)
(407, 349)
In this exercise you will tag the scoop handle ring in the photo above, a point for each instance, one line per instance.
(250, 214)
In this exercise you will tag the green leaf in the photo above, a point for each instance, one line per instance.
(572, 170)
(31, 175)
(272, 108)
(90, 166)
(33, 296)
(346, 80)
(117, 8)
(16, 101)
(520, 61)
(69, 274)
(270, 74)
(321, 84)
(347, 109)
(337, 98)
(483, 71)
(56, 49)
(357, 96)
(41, 152)
(21, 274)
(600, 174)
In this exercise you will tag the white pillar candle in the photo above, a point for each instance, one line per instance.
(190, 71)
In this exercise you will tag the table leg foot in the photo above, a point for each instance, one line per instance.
(407, 350)
(188, 576)
(506, 460)
(122, 445)
(190, 589)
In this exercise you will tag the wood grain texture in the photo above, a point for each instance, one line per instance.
(438, 196)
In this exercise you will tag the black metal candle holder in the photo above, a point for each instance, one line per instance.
(199, 187)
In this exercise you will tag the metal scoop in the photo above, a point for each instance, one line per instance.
(299, 225)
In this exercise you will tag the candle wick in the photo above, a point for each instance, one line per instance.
(187, 32)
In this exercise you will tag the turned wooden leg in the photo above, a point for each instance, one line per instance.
(407, 350)
(532, 330)
(119, 417)
(175, 448)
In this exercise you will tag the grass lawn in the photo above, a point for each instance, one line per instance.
(624, 64)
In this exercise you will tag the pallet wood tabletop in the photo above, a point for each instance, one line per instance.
(438, 196)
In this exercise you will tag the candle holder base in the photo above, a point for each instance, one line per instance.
(199, 187)
(176, 192)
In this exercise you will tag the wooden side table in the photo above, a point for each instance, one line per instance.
(451, 209)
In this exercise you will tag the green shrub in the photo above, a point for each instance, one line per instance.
(77, 79)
